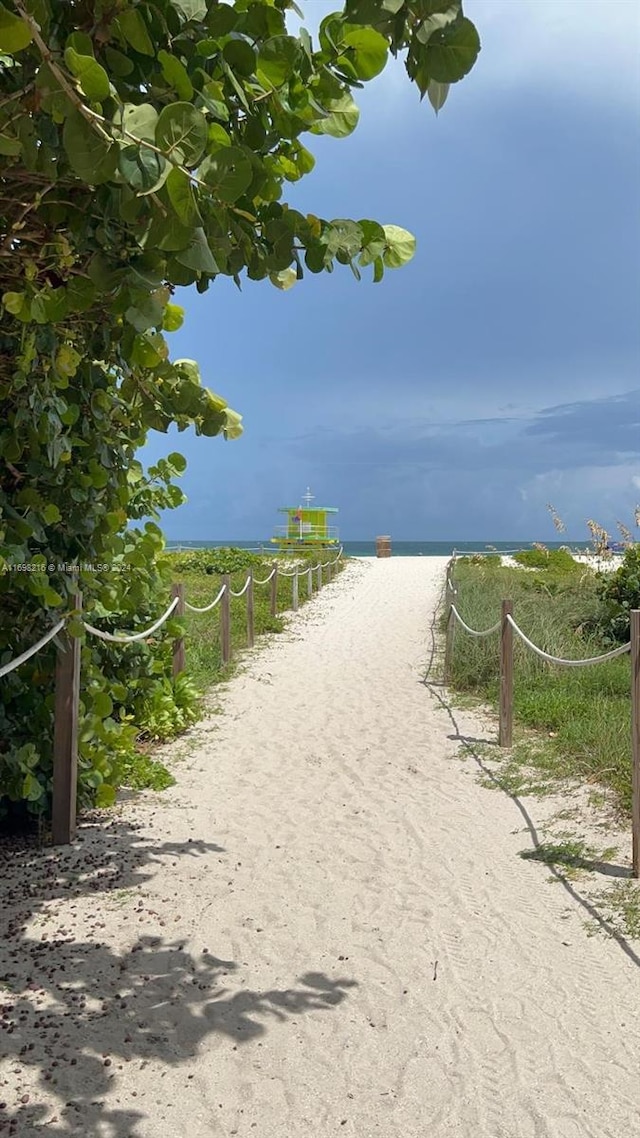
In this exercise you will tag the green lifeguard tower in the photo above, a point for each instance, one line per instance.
(307, 526)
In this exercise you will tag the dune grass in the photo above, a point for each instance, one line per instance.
(202, 639)
(580, 717)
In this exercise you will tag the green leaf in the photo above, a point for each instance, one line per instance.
(237, 86)
(198, 255)
(437, 93)
(374, 241)
(345, 237)
(81, 294)
(233, 424)
(222, 19)
(93, 78)
(401, 246)
(139, 119)
(191, 9)
(277, 61)
(218, 137)
(9, 146)
(143, 169)
(285, 279)
(176, 74)
(51, 598)
(134, 30)
(367, 51)
(371, 11)
(240, 56)
(102, 704)
(103, 274)
(147, 313)
(182, 132)
(182, 198)
(149, 349)
(15, 34)
(228, 172)
(451, 53)
(173, 318)
(342, 119)
(31, 788)
(436, 21)
(80, 42)
(105, 796)
(92, 157)
(119, 64)
(14, 302)
(51, 514)
(177, 461)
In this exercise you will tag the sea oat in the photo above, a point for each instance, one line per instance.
(599, 539)
(556, 519)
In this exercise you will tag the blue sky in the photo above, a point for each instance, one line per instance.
(497, 372)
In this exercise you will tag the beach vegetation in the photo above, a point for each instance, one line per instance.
(571, 723)
(146, 147)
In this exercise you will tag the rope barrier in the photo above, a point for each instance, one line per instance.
(472, 631)
(567, 663)
(207, 608)
(242, 590)
(13, 664)
(266, 580)
(458, 553)
(122, 638)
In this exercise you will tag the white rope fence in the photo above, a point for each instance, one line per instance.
(22, 659)
(207, 608)
(473, 631)
(130, 638)
(244, 588)
(559, 660)
(508, 627)
(613, 655)
(267, 579)
(68, 672)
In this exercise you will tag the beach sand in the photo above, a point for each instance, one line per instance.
(325, 928)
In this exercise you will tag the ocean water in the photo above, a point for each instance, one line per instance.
(398, 548)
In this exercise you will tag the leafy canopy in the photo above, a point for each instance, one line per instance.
(145, 146)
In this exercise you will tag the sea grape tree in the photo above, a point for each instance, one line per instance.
(145, 146)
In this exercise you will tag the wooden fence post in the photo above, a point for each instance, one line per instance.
(225, 620)
(250, 620)
(65, 737)
(178, 645)
(309, 582)
(295, 581)
(450, 629)
(274, 590)
(505, 734)
(319, 574)
(635, 740)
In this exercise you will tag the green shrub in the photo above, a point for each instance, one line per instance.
(551, 560)
(619, 592)
(212, 561)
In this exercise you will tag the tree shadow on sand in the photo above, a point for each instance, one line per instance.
(73, 1014)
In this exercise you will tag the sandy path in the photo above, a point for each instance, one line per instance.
(379, 961)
